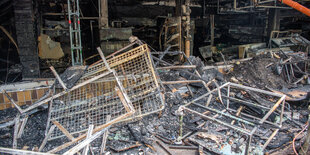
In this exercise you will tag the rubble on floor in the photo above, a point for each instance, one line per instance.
(139, 102)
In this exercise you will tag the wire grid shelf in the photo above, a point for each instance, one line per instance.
(246, 123)
(92, 103)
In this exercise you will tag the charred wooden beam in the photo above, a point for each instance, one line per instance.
(104, 14)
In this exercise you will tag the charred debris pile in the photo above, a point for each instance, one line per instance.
(140, 101)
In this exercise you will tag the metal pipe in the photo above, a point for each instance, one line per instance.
(248, 143)
(270, 138)
(246, 103)
(228, 94)
(266, 1)
(273, 7)
(92, 34)
(205, 95)
(163, 54)
(63, 85)
(296, 6)
(256, 118)
(86, 142)
(183, 147)
(217, 121)
(170, 52)
(256, 90)
(178, 82)
(181, 128)
(224, 114)
(103, 59)
(178, 67)
(272, 109)
(17, 151)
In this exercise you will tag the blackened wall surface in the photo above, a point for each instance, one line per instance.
(26, 37)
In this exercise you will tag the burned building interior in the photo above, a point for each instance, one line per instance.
(154, 77)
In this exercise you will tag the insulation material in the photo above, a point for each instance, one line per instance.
(49, 49)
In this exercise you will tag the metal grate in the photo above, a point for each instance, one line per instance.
(93, 102)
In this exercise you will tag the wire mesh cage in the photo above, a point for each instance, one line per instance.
(93, 102)
(135, 69)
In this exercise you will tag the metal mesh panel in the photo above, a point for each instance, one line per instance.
(92, 103)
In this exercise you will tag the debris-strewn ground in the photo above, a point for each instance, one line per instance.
(263, 72)
(254, 73)
(142, 135)
(34, 131)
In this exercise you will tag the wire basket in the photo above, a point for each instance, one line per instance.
(93, 102)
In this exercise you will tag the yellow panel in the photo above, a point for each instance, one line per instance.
(4, 106)
(6, 100)
(1, 98)
(20, 103)
(241, 52)
(27, 95)
(40, 93)
(34, 94)
(20, 96)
